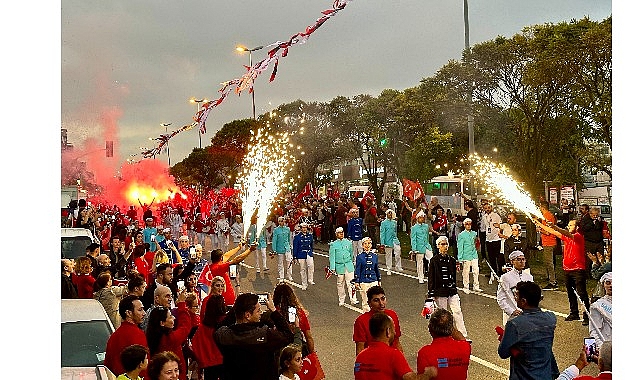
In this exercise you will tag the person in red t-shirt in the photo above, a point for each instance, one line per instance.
(574, 266)
(220, 267)
(380, 361)
(449, 351)
(132, 313)
(377, 303)
(548, 241)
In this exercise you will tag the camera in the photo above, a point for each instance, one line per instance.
(262, 298)
(232, 271)
(591, 351)
(291, 314)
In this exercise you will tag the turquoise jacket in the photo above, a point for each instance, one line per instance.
(262, 240)
(280, 239)
(251, 237)
(388, 232)
(420, 237)
(466, 244)
(340, 256)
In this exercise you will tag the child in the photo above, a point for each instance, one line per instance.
(134, 360)
(290, 362)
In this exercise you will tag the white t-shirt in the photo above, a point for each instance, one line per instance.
(492, 232)
(283, 377)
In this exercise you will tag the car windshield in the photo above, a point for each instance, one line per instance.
(73, 247)
(83, 343)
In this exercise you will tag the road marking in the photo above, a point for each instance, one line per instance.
(490, 365)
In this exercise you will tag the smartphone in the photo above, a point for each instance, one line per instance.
(192, 253)
(233, 271)
(591, 352)
(262, 298)
(291, 314)
(181, 284)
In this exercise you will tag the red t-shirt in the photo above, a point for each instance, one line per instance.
(361, 328)
(547, 239)
(573, 252)
(381, 362)
(84, 283)
(124, 336)
(219, 269)
(450, 357)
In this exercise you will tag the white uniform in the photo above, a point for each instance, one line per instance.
(505, 291)
(601, 319)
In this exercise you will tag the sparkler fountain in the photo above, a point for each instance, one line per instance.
(500, 183)
(264, 169)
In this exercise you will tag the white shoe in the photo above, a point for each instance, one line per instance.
(421, 281)
(290, 278)
(312, 283)
(399, 269)
(466, 290)
(341, 303)
(389, 273)
(477, 289)
(304, 287)
(257, 270)
(355, 302)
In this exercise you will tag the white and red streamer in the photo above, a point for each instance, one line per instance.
(279, 49)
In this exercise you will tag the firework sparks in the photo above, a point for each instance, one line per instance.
(500, 183)
(264, 169)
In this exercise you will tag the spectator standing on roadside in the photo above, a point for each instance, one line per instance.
(377, 302)
(220, 263)
(132, 313)
(164, 275)
(389, 239)
(573, 265)
(449, 351)
(148, 232)
(82, 278)
(507, 285)
(340, 262)
(441, 283)
(340, 215)
(600, 326)
(68, 288)
(604, 363)
(601, 264)
(380, 360)
(371, 221)
(483, 229)
(420, 239)
(134, 360)
(528, 338)
(281, 238)
(548, 241)
(250, 346)
(207, 353)
(136, 285)
(284, 298)
(164, 366)
(469, 256)
(119, 255)
(592, 230)
(109, 296)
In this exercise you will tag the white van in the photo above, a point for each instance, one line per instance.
(74, 242)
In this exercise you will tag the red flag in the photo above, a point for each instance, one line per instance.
(418, 191)
(408, 188)
(307, 191)
(367, 196)
(312, 369)
(205, 276)
(328, 273)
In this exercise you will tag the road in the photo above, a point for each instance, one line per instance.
(332, 325)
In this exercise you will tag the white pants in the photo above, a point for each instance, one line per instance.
(474, 266)
(284, 259)
(363, 291)
(342, 281)
(357, 247)
(306, 270)
(261, 259)
(397, 260)
(454, 304)
(419, 263)
(223, 242)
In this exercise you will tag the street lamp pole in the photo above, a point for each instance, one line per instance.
(244, 49)
(198, 101)
(168, 156)
(470, 117)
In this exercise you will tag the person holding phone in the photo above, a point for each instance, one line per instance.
(288, 304)
(603, 360)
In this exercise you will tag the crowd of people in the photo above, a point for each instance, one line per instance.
(150, 271)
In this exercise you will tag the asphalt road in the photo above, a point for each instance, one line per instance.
(332, 325)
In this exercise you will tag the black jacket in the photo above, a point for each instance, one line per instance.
(591, 229)
(69, 289)
(250, 350)
(441, 276)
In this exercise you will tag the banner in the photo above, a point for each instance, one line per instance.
(307, 191)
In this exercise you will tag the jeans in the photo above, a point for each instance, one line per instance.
(576, 279)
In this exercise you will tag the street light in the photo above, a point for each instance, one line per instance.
(193, 100)
(168, 157)
(243, 49)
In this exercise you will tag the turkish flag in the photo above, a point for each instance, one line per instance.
(408, 188)
(312, 369)
(418, 191)
(367, 196)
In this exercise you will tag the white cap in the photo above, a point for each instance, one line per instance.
(467, 220)
(606, 276)
(304, 224)
(339, 229)
(166, 230)
(420, 214)
(516, 254)
(149, 219)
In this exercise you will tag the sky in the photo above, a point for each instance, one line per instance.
(128, 66)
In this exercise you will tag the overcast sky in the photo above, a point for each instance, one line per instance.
(134, 64)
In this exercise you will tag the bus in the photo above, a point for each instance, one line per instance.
(448, 189)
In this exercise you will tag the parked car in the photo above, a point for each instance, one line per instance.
(85, 329)
(74, 241)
